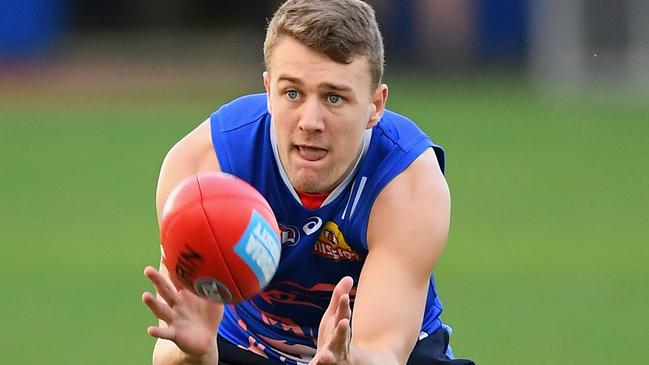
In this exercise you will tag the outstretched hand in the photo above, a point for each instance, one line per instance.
(334, 333)
(191, 321)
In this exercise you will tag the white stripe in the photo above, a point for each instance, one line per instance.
(367, 137)
(348, 200)
(282, 173)
(358, 194)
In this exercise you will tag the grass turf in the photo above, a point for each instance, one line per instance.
(546, 261)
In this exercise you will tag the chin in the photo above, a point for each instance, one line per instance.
(310, 183)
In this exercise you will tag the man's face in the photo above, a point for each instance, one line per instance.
(320, 110)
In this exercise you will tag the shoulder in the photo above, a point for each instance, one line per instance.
(419, 185)
(195, 152)
(399, 128)
(406, 135)
(191, 155)
(416, 203)
(239, 112)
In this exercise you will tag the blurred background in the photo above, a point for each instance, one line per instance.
(542, 106)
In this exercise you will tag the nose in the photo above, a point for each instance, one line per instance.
(311, 118)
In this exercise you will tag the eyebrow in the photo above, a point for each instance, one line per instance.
(326, 85)
(334, 87)
(292, 80)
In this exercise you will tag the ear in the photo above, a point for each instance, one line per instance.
(266, 77)
(377, 107)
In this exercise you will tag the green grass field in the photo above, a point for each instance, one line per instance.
(547, 262)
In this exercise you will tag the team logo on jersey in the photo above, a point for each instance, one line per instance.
(289, 235)
(332, 244)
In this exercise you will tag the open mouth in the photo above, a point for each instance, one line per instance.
(311, 153)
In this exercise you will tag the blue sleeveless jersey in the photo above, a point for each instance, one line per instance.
(319, 246)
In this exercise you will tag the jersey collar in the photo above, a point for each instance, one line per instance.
(367, 136)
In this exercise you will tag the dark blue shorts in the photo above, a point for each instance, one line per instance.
(431, 350)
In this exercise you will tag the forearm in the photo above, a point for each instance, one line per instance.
(362, 356)
(167, 353)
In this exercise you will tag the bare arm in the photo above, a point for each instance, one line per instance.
(187, 325)
(406, 234)
(192, 154)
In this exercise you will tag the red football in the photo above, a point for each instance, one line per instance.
(219, 237)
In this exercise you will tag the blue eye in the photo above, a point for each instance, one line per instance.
(335, 99)
(292, 94)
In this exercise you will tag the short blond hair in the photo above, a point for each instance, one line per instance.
(341, 29)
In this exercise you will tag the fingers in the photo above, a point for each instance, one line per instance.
(337, 350)
(162, 285)
(344, 310)
(160, 309)
(325, 358)
(344, 286)
(341, 338)
(167, 333)
(340, 302)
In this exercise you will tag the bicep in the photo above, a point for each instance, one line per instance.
(192, 154)
(406, 234)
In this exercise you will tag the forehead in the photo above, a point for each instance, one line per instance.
(291, 59)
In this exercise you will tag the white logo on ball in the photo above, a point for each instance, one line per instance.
(213, 290)
(264, 251)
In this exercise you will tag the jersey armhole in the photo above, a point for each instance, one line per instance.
(218, 143)
(397, 167)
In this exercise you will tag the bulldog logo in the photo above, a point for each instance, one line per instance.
(332, 244)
